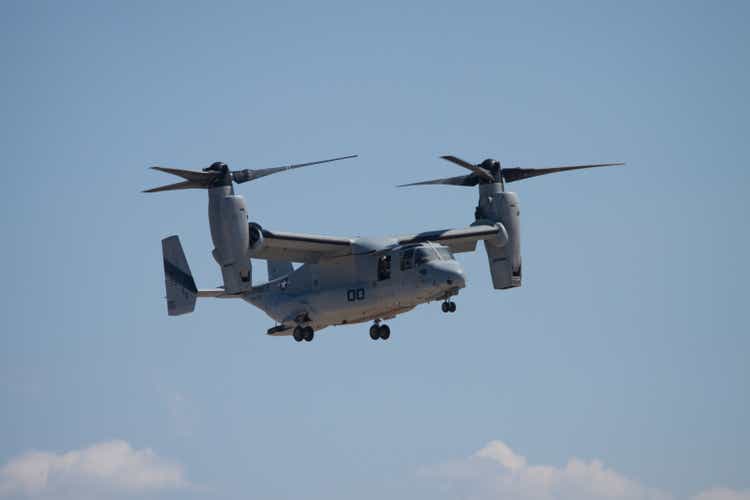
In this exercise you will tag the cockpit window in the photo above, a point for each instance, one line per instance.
(424, 254)
(444, 253)
(407, 259)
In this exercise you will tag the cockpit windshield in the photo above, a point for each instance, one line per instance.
(444, 253)
(424, 254)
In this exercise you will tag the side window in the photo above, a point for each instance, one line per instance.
(407, 259)
(384, 267)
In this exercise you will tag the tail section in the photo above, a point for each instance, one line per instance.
(279, 268)
(181, 289)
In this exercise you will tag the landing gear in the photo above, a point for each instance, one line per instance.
(301, 333)
(385, 332)
(448, 306)
(309, 334)
(378, 331)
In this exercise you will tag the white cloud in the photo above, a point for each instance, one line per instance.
(108, 467)
(501, 453)
(497, 472)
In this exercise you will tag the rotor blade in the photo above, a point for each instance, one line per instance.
(517, 174)
(461, 180)
(190, 175)
(477, 170)
(241, 176)
(176, 186)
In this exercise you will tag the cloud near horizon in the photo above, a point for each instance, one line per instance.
(497, 472)
(106, 468)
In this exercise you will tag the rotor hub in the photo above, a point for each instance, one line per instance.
(217, 166)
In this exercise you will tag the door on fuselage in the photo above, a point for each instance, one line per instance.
(384, 267)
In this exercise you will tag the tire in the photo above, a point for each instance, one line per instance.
(452, 307)
(309, 334)
(374, 332)
(298, 334)
(445, 307)
(384, 331)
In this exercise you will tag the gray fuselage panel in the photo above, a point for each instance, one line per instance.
(358, 288)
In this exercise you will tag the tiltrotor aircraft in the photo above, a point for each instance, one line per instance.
(346, 280)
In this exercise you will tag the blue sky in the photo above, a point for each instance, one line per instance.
(626, 347)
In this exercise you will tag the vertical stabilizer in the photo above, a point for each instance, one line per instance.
(181, 289)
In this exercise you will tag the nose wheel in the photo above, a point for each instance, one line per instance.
(448, 306)
(378, 331)
(305, 333)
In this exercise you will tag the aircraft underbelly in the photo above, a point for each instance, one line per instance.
(352, 303)
(365, 301)
(348, 303)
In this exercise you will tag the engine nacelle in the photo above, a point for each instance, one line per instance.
(501, 239)
(257, 243)
(505, 260)
(227, 216)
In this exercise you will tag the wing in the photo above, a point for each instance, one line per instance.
(299, 247)
(312, 248)
(459, 240)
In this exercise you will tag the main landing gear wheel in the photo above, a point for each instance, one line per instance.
(380, 332)
(385, 332)
(303, 333)
(448, 306)
(308, 334)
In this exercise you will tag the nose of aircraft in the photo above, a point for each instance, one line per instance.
(457, 278)
(448, 274)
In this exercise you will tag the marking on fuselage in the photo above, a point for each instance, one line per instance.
(355, 294)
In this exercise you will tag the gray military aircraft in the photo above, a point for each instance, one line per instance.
(346, 280)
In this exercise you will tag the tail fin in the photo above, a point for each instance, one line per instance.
(278, 268)
(181, 289)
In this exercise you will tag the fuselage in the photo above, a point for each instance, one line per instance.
(357, 288)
